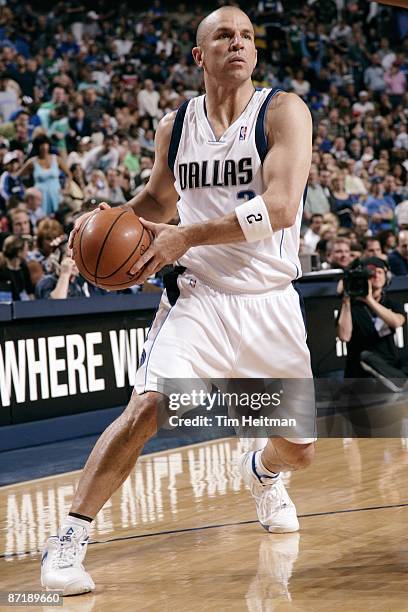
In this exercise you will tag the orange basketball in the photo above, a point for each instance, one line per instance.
(107, 245)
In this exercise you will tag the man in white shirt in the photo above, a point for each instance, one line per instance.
(148, 101)
(312, 235)
(364, 105)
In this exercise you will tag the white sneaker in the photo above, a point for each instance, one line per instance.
(61, 563)
(276, 511)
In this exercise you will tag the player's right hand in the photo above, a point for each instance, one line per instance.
(79, 222)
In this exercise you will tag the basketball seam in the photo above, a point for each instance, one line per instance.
(125, 262)
(104, 242)
(80, 245)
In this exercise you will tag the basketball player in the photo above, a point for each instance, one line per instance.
(235, 163)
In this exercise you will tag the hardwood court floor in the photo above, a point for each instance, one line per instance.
(181, 534)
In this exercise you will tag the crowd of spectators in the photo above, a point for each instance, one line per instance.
(83, 86)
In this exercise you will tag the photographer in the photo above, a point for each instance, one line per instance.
(367, 322)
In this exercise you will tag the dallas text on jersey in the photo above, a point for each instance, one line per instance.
(214, 173)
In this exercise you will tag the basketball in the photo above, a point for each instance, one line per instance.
(107, 245)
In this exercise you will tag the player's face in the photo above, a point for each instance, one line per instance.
(228, 51)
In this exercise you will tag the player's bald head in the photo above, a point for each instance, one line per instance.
(213, 19)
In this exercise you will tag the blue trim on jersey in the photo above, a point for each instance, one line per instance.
(304, 196)
(176, 135)
(261, 140)
(301, 303)
(281, 243)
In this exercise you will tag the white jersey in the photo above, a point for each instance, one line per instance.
(212, 177)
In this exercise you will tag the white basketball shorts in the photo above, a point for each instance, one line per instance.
(210, 334)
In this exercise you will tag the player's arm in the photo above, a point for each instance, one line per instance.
(157, 202)
(286, 168)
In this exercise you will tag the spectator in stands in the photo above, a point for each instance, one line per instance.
(353, 184)
(11, 184)
(401, 214)
(49, 230)
(14, 270)
(338, 253)
(316, 200)
(61, 284)
(97, 182)
(390, 190)
(9, 99)
(341, 203)
(33, 201)
(374, 75)
(356, 251)
(148, 101)
(312, 234)
(387, 240)
(79, 127)
(379, 209)
(360, 226)
(45, 168)
(102, 158)
(325, 178)
(299, 85)
(20, 222)
(372, 248)
(113, 192)
(396, 84)
(76, 191)
(398, 259)
(133, 157)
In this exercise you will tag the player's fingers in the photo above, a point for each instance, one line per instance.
(152, 267)
(142, 261)
(104, 206)
(153, 227)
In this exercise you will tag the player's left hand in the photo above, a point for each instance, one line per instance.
(168, 244)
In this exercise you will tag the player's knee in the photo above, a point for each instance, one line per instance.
(141, 415)
(303, 456)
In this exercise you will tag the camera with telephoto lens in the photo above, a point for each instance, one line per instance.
(356, 281)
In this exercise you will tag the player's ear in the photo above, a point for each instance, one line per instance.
(198, 56)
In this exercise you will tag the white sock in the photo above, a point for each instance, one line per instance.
(260, 470)
(75, 523)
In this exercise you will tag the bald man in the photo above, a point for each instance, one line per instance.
(234, 163)
(398, 258)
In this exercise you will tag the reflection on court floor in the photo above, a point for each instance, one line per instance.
(181, 533)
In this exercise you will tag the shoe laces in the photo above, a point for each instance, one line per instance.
(272, 493)
(66, 554)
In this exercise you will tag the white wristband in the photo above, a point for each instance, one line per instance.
(253, 218)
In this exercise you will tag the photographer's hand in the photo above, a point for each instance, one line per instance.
(391, 318)
(369, 298)
(344, 327)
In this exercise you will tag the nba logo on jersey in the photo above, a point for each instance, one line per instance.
(243, 132)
